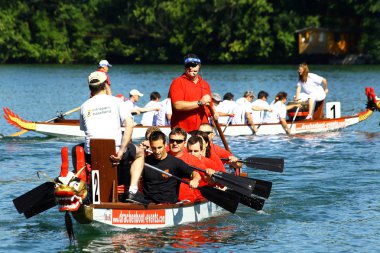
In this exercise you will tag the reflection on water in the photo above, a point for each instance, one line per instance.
(189, 237)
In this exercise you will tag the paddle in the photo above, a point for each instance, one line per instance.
(36, 200)
(263, 163)
(252, 202)
(228, 123)
(61, 115)
(226, 200)
(216, 124)
(243, 185)
(294, 118)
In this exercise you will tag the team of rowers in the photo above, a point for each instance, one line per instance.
(190, 98)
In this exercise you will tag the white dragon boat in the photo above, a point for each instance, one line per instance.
(297, 123)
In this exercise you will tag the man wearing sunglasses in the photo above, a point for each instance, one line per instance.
(189, 94)
(177, 143)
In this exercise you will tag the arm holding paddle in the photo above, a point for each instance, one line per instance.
(191, 105)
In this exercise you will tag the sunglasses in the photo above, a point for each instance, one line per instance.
(191, 64)
(176, 141)
(207, 132)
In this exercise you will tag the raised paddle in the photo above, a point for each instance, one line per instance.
(263, 163)
(61, 115)
(226, 200)
(217, 125)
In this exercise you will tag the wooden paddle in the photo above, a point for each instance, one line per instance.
(50, 120)
(263, 163)
(226, 200)
(217, 125)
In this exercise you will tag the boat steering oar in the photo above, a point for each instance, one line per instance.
(226, 200)
(294, 118)
(61, 115)
(217, 125)
(263, 163)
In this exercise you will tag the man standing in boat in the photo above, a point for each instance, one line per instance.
(104, 66)
(102, 116)
(189, 95)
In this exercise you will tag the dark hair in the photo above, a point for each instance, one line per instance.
(281, 95)
(194, 140)
(228, 96)
(179, 131)
(204, 136)
(96, 88)
(157, 135)
(155, 95)
(262, 94)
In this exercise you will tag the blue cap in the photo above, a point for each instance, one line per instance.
(194, 60)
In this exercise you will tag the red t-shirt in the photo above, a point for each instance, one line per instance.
(183, 89)
(185, 192)
(108, 78)
(220, 152)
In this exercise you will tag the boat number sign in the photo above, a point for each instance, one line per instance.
(95, 187)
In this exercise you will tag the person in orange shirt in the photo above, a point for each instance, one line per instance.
(189, 94)
(177, 143)
(218, 150)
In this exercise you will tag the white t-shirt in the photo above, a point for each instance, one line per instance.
(102, 117)
(150, 118)
(312, 88)
(258, 116)
(165, 109)
(278, 111)
(226, 106)
(243, 107)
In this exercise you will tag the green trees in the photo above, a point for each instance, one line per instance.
(154, 31)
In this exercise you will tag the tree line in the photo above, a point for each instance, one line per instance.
(162, 31)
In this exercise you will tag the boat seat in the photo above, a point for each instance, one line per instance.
(101, 150)
(318, 110)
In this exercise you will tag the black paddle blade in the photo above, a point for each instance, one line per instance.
(233, 182)
(37, 200)
(257, 187)
(224, 199)
(265, 163)
(252, 202)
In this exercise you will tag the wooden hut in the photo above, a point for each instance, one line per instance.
(323, 41)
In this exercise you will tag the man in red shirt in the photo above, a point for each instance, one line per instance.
(189, 94)
(216, 150)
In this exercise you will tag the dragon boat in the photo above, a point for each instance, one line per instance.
(91, 194)
(297, 123)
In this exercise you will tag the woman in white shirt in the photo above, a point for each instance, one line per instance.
(312, 87)
(279, 110)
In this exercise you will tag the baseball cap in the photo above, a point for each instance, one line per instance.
(216, 97)
(96, 78)
(249, 93)
(104, 63)
(135, 92)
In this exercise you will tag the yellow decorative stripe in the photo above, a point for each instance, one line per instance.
(365, 115)
(23, 124)
(378, 105)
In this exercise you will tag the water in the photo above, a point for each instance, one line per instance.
(325, 201)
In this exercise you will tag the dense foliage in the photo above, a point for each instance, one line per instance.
(162, 31)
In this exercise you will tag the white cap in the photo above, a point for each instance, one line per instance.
(96, 78)
(104, 63)
(135, 92)
(216, 97)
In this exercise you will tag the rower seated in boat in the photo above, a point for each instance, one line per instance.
(158, 187)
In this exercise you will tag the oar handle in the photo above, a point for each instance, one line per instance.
(166, 173)
(217, 125)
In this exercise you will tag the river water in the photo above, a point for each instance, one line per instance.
(327, 199)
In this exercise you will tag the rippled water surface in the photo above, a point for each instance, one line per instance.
(327, 199)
